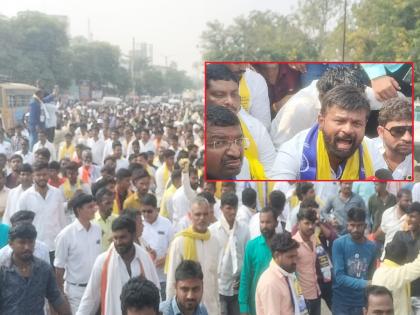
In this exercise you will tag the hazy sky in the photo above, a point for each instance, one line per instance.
(173, 27)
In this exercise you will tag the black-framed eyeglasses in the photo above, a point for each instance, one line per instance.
(225, 144)
(399, 131)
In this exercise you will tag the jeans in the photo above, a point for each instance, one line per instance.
(33, 138)
(229, 305)
(314, 306)
(163, 291)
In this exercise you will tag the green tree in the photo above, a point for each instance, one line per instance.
(258, 36)
(35, 46)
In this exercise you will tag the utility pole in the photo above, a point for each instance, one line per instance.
(133, 54)
(344, 30)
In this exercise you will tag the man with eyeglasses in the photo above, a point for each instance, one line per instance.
(395, 137)
(222, 89)
(224, 145)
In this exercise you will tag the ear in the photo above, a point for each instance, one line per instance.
(321, 120)
(381, 131)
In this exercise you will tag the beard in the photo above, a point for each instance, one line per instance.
(332, 144)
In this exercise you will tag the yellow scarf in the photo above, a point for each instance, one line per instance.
(244, 93)
(190, 251)
(407, 287)
(251, 153)
(166, 174)
(68, 191)
(351, 171)
(168, 192)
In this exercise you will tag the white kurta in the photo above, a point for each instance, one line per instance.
(266, 151)
(92, 298)
(208, 256)
(301, 112)
(259, 102)
(289, 158)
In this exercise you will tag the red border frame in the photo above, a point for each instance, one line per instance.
(307, 62)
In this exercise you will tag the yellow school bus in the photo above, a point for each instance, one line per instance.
(14, 102)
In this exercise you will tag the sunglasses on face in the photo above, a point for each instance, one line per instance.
(399, 131)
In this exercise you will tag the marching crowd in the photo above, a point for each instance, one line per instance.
(109, 211)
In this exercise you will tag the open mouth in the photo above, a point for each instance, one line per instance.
(344, 144)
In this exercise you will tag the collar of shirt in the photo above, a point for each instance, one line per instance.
(299, 239)
(177, 311)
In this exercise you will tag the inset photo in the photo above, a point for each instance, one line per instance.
(309, 121)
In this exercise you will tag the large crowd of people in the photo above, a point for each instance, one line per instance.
(111, 211)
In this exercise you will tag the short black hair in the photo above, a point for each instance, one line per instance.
(376, 290)
(356, 215)
(72, 166)
(22, 215)
(414, 207)
(220, 116)
(78, 201)
(229, 199)
(249, 197)
(102, 192)
(149, 200)
(139, 174)
(282, 243)
(219, 72)
(271, 210)
(123, 173)
(402, 192)
(176, 174)
(395, 109)
(303, 188)
(309, 203)
(38, 166)
(168, 153)
(54, 165)
(116, 143)
(139, 293)
(44, 152)
(345, 97)
(124, 222)
(16, 156)
(277, 199)
(396, 251)
(22, 231)
(336, 76)
(102, 183)
(188, 269)
(308, 214)
(208, 196)
(26, 168)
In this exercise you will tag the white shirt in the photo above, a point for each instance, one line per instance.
(244, 214)
(390, 224)
(6, 148)
(266, 151)
(148, 146)
(41, 251)
(160, 233)
(415, 193)
(97, 148)
(289, 157)
(301, 112)
(404, 169)
(107, 148)
(76, 250)
(207, 256)
(227, 275)
(11, 204)
(51, 118)
(27, 158)
(48, 145)
(259, 102)
(49, 213)
(122, 163)
(160, 182)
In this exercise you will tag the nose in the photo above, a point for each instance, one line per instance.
(407, 136)
(234, 150)
(347, 128)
